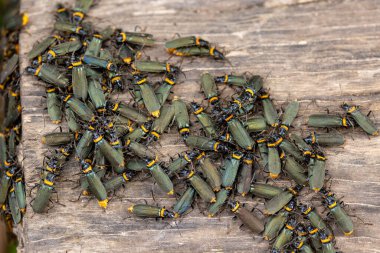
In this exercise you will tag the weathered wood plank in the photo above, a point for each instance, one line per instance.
(322, 53)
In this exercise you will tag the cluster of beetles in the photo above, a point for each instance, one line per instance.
(237, 145)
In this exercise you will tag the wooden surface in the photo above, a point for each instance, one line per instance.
(319, 52)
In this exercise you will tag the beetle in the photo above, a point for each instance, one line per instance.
(342, 219)
(44, 192)
(59, 138)
(317, 172)
(69, 28)
(182, 161)
(100, 63)
(154, 67)
(231, 166)
(207, 123)
(135, 38)
(209, 88)
(163, 91)
(210, 172)
(221, 198)
(232, 80)
(240, 134)
(140, 150)
(314, 237)
(149, 97)
(325, 139)
(285, 235)
(117, 181)
(270, 112)
(183, 204)
(315, 219)
(81, 8)
(181, 116)
(327, 244)
(50, 74)
(288, 117)
(295, 170)
(255, 124)
(140, 132)
(160, 124)
(248, 218)
(246, 173)
(79, 80)
(13, 205)
(159, 175)
(42, 46)
(329, 120)
(127, 112)
(265, 191)
(5, 181)
(53, 105)
(63, 49)
(147, 211)
(185, 42)
(275, 204)
(79, 108)
(198, 51)
(276, 222)
(202, 188)
(206, 144)
(363, 121)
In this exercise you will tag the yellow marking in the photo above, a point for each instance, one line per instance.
(130, 209)
(51, 90)
(116, 78)
(289, 227)
(282, 155)
(123, 37)
(6, 163)
(184, 130)
(274, 124)
(142, 81)
(264, 96)
(61, 10)
(91, 128)
(248, 161)
(110, 125)
(275, 144)
(76, 64)
(285, 127)
(261, 140)
(52, 53)
(348, 233)
(312, 232)
(376, 133)
(98, 139)
(77, 30)
(57, 37)
(39, 59)
(19, 108)
(237, 157)
(99, 36)
(187, 158)
(300, 245)
(273, 176)
(64, 152)
(85, 44)
(151, 163)
(201, 155)
(171, 192)
(199, 111)
(344, 121)
(128, 142)
(288, 208)
(210, 215)
(197, 41)
(292, 191)
(213, 99)
(12, 189)
(2, 86)
(85, 193)
(87, 170)
(49, 183)
(238, 102)
(115, 143)
(22, 210)
(332, 205)
(225, 78)
(125, 176)
(109, 65)
(156, 114)
(352, 109)
(243, 194)
(67, 98)
(78, 14)
(305, 153)
(167, 67)
(319, 157)
(216, 144)
(192, 172)
(325, 240)
(236, 207)
(250, 91)
(229, 118)
(103, 203)
(212, 51)
(157, 135)
(171, 82)
(313, 139)
(127, 60)
(307, 211)
(18, 180)
(162, 212)
(144, 129)
(25, 19)
(116, 106)
(38, 70)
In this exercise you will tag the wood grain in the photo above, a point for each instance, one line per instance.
(321, 53)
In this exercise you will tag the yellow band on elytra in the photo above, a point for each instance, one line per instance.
(98, 139)
(236, 207)
(47, 182)
(171, 82)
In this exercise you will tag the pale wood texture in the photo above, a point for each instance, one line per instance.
(319, 52)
